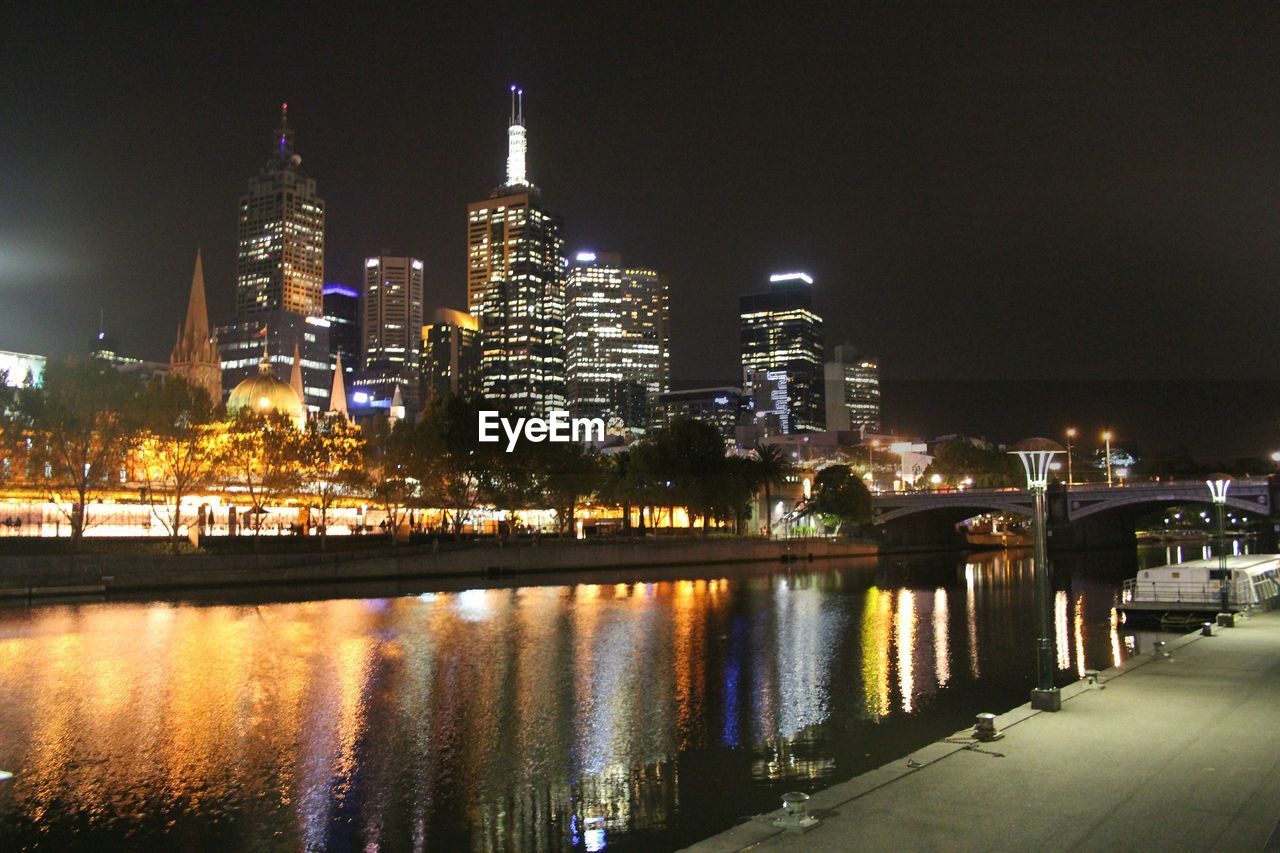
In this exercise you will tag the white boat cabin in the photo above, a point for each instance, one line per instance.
(1253, 583)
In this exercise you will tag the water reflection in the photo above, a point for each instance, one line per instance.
(556, 717)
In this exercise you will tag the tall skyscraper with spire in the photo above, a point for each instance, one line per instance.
(195, 354)
(515, 285)
(280, 256)
(279, 275)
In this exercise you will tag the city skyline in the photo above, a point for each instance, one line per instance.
(909, 203)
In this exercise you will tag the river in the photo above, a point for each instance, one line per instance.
(575, 716)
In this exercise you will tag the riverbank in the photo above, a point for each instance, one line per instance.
(27, 576)
(1174, 754)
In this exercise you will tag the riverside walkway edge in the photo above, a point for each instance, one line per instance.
(1173, 754)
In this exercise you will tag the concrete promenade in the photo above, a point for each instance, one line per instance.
(1176, 754)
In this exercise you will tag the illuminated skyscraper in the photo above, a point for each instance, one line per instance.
(279, 277)
(781, 338)
(852, 390)
(515, 285)
(616, 338)
(280, 258)
(391, 329)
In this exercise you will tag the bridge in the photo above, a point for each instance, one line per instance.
(1091, 515)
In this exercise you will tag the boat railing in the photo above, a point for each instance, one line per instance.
(1196, 592)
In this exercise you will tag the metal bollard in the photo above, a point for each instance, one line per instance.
(795, 813)
(1091, 675)
(984, 729)
(1206, 629)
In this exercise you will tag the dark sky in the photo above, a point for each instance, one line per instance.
(1071, 191)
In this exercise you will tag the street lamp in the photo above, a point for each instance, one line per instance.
(1218, 493)
(1106, 436)
(1036, 454)
(1071, 433)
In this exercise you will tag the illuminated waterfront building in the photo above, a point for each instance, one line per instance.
(616, 338)
(450, 355)
(391, 329)
(280, 256)
(515, 285)
(852, 391)
(781, 339)
(195, 354)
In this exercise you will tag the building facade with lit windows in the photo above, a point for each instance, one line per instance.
(241, 342)
(720, 406)
(391, 329)
(616, 339)
(852, 390)
(280, 253)
(450, 355)
(780, 339)
(515, 286)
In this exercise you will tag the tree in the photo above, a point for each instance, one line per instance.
(690, 453)
(840, 496)
(957, 461)
(618, 486)
(81, 422)
(451, 462)
(258, 454)
(567, 473)
(330, 457)
(771, 467)
(389, 456)
(178, 449)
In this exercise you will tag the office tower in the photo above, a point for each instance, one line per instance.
(280, 260)
(241, 346)
(279, 275)
(195, 354)
(450, 355)
(616, 339)
(719, 406)
(391, 329)
(342, 312)
(515, 286)
(852, 390)
(781, 337)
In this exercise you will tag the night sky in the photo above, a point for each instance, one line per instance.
(1069, 191)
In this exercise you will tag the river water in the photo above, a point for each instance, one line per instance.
(582, 716)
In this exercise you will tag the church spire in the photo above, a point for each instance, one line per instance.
(197, 311)
(195, 353)
(338, 396)
(295, 375)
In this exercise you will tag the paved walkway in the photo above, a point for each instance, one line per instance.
(1178, 754)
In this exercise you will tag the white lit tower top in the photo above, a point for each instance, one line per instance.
(517, 142)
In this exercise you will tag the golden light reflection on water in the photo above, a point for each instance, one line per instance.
(487, 718)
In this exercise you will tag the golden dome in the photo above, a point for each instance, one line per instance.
(264, 393)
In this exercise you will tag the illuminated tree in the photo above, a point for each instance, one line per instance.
(258, 454)
(81, 423)
(565, 474)
(389, 456)
(178, 448)
(330, 459)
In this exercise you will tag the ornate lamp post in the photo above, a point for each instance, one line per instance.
(1106, 436)
(1035, 455)
(1218, 493)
